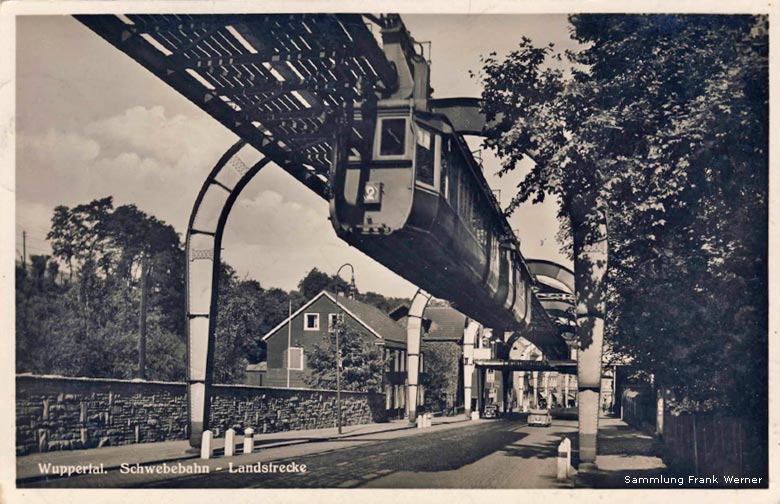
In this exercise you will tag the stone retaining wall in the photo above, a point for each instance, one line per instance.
(62, 413)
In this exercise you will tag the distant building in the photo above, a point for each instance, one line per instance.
(442, 326)
(309, 326)
(533, 389)
(255, 374)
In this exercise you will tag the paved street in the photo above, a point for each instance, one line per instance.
(479, 454)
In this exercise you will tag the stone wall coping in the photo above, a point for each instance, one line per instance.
(138, 381)
(135, 381)
(292, 389)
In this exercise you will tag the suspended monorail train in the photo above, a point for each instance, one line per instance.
(419, 203)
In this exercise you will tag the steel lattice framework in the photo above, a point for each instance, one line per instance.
(277, 81)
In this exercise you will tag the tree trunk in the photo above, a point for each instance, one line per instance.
(590, 266)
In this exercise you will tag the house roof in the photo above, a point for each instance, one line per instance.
(370, 317)
(399, 312)
(374, 318)
(447, 324)
(441, 323)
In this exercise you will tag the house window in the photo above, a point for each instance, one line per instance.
(311, 322)
(333, 319)
(295, 358)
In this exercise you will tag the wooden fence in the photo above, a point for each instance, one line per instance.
(706, 444)
(702, 444)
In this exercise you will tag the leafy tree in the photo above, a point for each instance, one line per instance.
(78, 235)
(239, 323)
(363, 362)
(382, 302)
(660, 129)
(88, 326)
(41, 317)
(441, 383)
(316, 281)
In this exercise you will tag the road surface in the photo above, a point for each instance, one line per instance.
(503, 453)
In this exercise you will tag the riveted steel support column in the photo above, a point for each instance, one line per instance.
(481, 372)
(590, 268)
(203, 244)
(469, 337)
(413, 336)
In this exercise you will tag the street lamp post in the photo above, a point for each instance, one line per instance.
(338, 345)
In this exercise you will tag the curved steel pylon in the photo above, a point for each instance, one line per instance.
(413, 336)
(469, 337)
(202, 247)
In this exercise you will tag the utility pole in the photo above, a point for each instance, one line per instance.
(142, 322)
(338, 377)
(289, 337)
(338, 342)
(24, 250)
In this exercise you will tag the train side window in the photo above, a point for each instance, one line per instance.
(424, 155)
(443, 177)
(453, 172)
(495, 259)
(393, 137)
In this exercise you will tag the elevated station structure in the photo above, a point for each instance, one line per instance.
(343, 103)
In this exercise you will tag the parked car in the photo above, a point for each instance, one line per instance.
(540, 417)
(490, 411)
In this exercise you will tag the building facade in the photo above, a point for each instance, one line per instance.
(290, 345)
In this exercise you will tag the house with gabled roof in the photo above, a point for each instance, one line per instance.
(292, 342)
(442, 326)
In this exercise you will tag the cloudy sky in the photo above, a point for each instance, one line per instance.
(91, 123)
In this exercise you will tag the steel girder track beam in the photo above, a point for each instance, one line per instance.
(203, 245)
(114, 31)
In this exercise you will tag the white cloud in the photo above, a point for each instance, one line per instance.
(278, 230)
(150, 132)
(141, 156)
(68, 145)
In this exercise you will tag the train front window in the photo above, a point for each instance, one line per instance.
(393, 139)
(424, 155)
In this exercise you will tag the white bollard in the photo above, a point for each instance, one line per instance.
(249, 440)
(428, 419)
(420, 422)
(230, 443)
(564, 458)
(206, 448)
